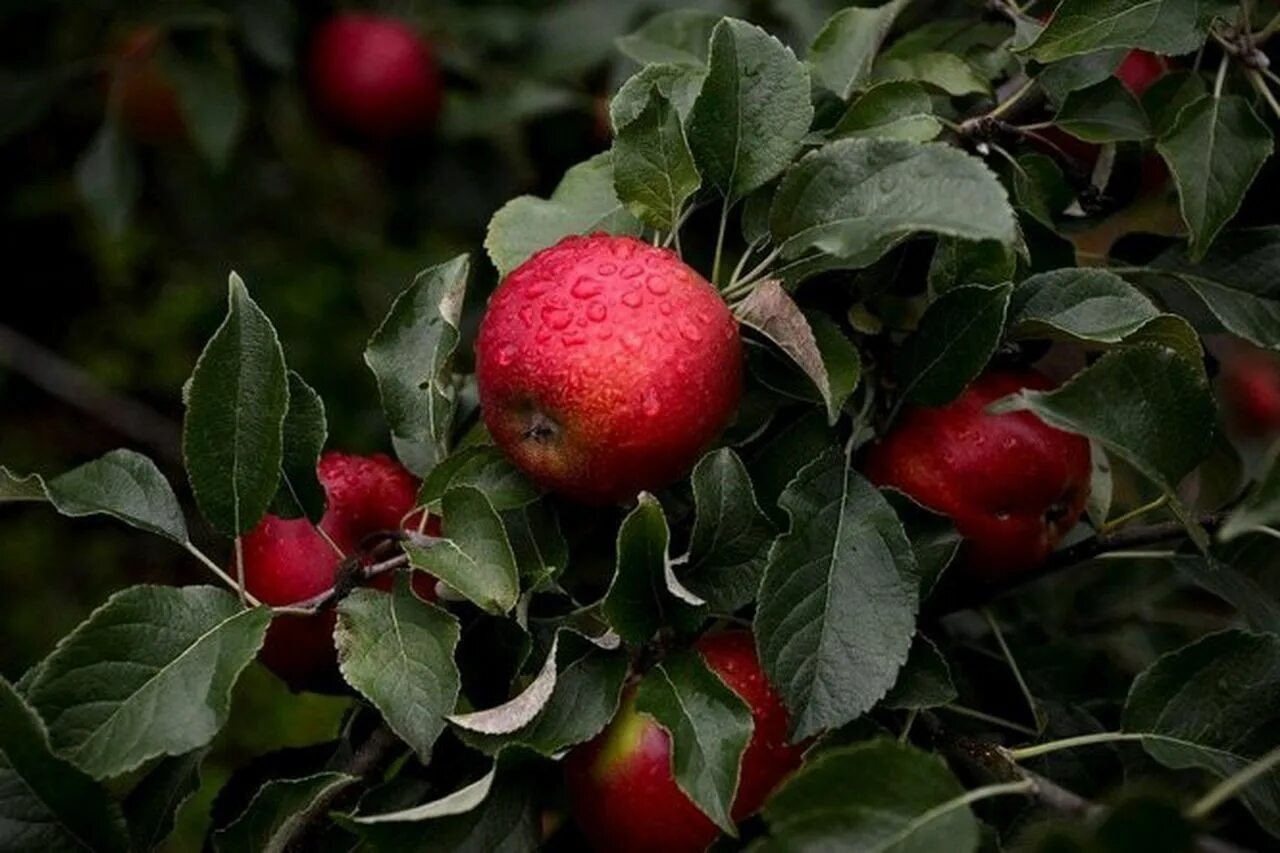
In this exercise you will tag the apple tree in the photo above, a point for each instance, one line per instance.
(973, 558)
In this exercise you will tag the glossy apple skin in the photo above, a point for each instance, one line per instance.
(1013, 485)
(606, 366)
(287, 561)
(1251, 387)
(146, 98)
(621, 786)
(373, 77)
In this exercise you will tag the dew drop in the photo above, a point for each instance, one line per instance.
(596, 312)
(665, 334)
(526, 316)
(658, 285)
(631, 340)
(607, 269)
(688, 330)
(506, 355)
(632, 271)
(623, 250)
(633, 299)
(537, 287)
(586, 286)
(604, 334)
(704, 317)
(649, 402)
(573, 338)
(666, 308)
(556, 318)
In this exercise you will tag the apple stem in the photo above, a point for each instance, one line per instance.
(222, 576)
(1115, 524)
(715, 264)
(1013, 666)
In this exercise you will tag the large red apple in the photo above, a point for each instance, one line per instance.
(623, 792)
(145, 96)
(1012, 484)
(287, 560)
(374, 77)
(1251, 386)
(605, 366)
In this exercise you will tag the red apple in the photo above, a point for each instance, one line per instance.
(1251, 386)
(374, 77)
(606, 366)
(146, 98)
(288, 560)
(1012, 484)
(623, 792)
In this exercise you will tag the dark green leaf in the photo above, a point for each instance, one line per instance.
(956, 338)
(46, 803)
(21, 487)
(876, 796)
(1078, 304)
(893, 110)
(678, 83)
(1061, 78)
(305, 431)
(1260, 608)
(411, 356)
(960, 262)
(731, 534)
(1214, 149)
(233, 434)
(108, 178)
(537, 542)
(476, 559)
(484, 468)
(753, 111)
(653, 170)
(638, 598)
(584, 202)
(924, 680)
(277, 813)
(1215, 705)
(1163, 26)
(152, 806)
(1104, 112)
(397, 651)
(681, 36)
(1260, 509)
(1040, 188)
(838, 600)
(944, 71)
(710, 727)
(933, 537)
(269, 28)
(1168, 95)
(845, 49)
(207, 80)
(148, 674)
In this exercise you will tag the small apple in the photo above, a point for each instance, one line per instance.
(146, 98)
(1012, 484)
(287, 560)
(373, 77)
(621, 786)
(1251, 387)
(605, 366)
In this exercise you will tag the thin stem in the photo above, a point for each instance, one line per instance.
(1271, 28)
(1136, 555)
(1222, 75)
(1265, 530)
(759, 269)
(742, 262)
(1032, 128)
(1117, 523)
(1013, 665)
(906, 726)
(1232, 785)
(1019, 786)
(724, 221)
(1023, 753)
(239, 549)
(1261, 86)
(674, 236)
(990, 718)
(223, 576)
(1011, 101)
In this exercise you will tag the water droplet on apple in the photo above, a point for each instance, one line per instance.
(658, 285)
(573, 338)
(556, 318)
(607, 269)
(596, 312)
(666, 308)
(649, 401)
(506, 355)
(631, 340)
(633, 299)
(688, 330)
(586, 286)
(632, 271)
(526, 316)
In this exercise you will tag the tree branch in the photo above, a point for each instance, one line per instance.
(957, 597)
(364, 764)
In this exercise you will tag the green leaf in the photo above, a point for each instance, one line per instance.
(484, 468)
(832, 363)
(148, 674)
(1078, 304)
(637, 602)
(1238, 281)
(877, 796)
(305, 431)
(731, 534)
(960, 262)
(753, 112)
(109, 179)
(122, 484)
(21, 487)
(1214, 149)
(1259, 608)
(520, 710)
(1104, 112)
(152, 806)
(584, 202)
(681, 36)
(277, 813)
(585, 697)
(924, 680)
(46, 803)
(678, 83)
(1144, 403)
(845, 49)
(710, 727)
(233, 434)
(397, 651)
(269, 28)
(1168, 95)
(838, 601)
(541, 551)
(957, 336)
(934, 538)
(1260, 509)
(854, 198)
(1163, 26)
(944, 71)
(476, 559)
(893, 110)
(1061, 78)
(411, 356)
(1040, 188)
(1215, 705)
(207, 80)
(653, 169)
